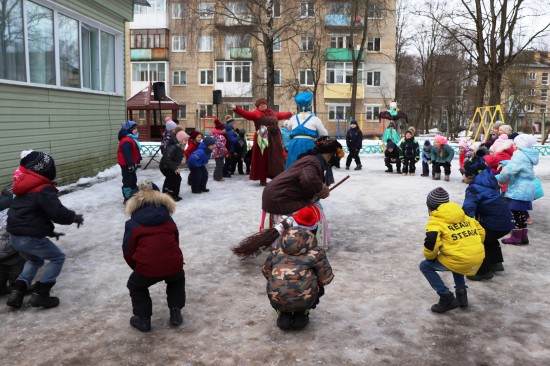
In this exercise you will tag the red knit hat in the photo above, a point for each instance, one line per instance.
(261, 101)
(308, 216)
(194, 134)
(218, 125)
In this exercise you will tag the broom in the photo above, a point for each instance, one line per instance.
(253, 245)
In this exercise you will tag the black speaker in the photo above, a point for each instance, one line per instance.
(217, 96)
(158, 90)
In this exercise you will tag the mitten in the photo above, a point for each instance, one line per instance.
(323, 193)
(79, 220)
(131, 168)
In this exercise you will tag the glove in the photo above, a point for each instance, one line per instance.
(56, 235)
(323, 193)
(79, 220)
(131, 168)
(231, 106)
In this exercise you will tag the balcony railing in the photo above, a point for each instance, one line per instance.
(340, 20)
(340, 54)
(242, 53)
(149, 54)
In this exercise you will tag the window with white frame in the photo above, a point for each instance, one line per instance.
(206, 10)
(178, 43)
(206, 110)
(544, 79)
(307, 43)
(206, 43)
(342, 72)
(373, 78)
(543, 108)
(532, 92)
(306, 77)
(178, 11)
(374, 11)
(339, 112)
(373, 44)
(182, 112)
(276, 76)
(82, 57)
(340, 8)
(530, 107)
(233, 71)
(156, 7)
(340, 41)
(276, 43)
(544, 94)
(371, 112)
(276, 8)
(148, 71)
(179, 77)
(532, 76)
(307, 9)
(206, 77)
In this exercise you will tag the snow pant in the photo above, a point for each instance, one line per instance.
(493, 252)
(129, 182)
(227, 166)
(353, 154)
(36, 251)
(199, 178)
(281, 307)
(430, 268)
(172, 182)
(520, 217)
(425, 168)
(218, 170)
(446, 168)
(389, 164)
(9, 271)
(409, 165)
(236, 164)
(142, 305)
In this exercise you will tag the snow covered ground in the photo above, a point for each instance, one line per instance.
(375, 312)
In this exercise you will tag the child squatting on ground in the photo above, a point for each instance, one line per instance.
(297, 270)
(454, 242)
(151, 248)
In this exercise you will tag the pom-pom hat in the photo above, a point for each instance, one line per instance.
(437, 197)
(41, 163)
(170, 125)
(307, 217)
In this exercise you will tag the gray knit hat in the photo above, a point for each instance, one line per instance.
(436, 198)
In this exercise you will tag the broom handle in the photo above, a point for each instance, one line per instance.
(340, 182)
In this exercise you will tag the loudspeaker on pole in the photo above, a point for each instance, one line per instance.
(217, 97)
(159, 92)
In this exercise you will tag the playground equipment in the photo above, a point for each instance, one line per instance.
(484, 118)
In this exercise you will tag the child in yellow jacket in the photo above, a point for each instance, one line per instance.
(454, 242)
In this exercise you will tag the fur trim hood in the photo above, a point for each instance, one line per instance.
(149, 197)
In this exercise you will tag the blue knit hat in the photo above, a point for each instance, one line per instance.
(129, 126)
(209, 141)
(303, 101)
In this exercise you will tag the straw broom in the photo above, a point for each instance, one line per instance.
(254, 244)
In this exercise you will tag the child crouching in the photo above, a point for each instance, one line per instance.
(151, 249)
(454, 242)
(297, 271)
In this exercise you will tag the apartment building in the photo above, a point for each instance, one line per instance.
(197, 47)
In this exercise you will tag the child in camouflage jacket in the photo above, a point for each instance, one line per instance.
(297, 271)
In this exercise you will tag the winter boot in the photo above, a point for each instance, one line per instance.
(358, 167)
(347, 167)
(284, 321)
(175, 316)
(300, 319)
(497, 267)
(515, 238)
(446, 302)
(41, 296)
(142, 324)
(437, 176)
(15, 298)
(411, 173)
(462, 297)
(524, 238)
(389, 170)
(481, 276)
(399, 171)
(446, 178)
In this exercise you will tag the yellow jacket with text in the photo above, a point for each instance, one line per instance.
(456, 240)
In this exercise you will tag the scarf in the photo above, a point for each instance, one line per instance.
(325, 166)
(262, 138)
(135, 137)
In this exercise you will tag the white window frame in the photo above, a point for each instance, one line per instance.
(179, 43)
(277, 8)
(544, 94)
(375, 10)
(183, 108)
(307, 9)
(340, 41)
(532, 92)
(181, 74)
(303, 77)
(178, 11)
(341, 70)
(375, 76)
(206, 73)
(543, 108)
(530, 107)
(205, 109)
(206, 43)
(544, 78)
(333, 112)
(161, 75)
(373, 110)
(276, 43)
(206, 10)
(372, 43)
(277, 77)
(308, 41)
(244, 68)
(532, 76)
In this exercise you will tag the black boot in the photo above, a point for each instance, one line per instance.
(446, 302)
(358, 167)
(15, 298)
(300, 319)
(462, 297)
(41, 296)
(284, 321)
(175, 316)
(4, 289)
(389, 170)
(142, 324)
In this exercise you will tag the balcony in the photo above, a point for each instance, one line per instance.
(243, 53)
(340, 20)
(149, 54)
(234, 22)
(340, 54)
(342, 91)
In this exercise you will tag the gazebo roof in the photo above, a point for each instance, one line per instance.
(145, 99)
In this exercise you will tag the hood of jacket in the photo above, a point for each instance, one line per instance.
(449, 212)
(298, 241)
(150, 207)
(30, 181)
(531, 154)
(486, 179)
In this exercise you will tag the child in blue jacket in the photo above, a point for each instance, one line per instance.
(197, 165)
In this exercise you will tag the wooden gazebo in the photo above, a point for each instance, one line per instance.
(150, 128)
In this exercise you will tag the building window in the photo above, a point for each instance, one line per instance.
(233, 71)
(307, 9)
(148, 38)
(178, 11)
(306, 43)
(340, 8)
(544, 94)
(373, 78)
(276, 8)
(141, 114)
(371, 112)
(206, 43)
(178, 43)
(205, 110)
(544, 80)
(157, 7)
(532, 92)
(342, 72)
(182, 112)
(306, 78)
(530, 107)
(374, 11)
(373, 44)
(206, 10)
(69, 48)
(339, 112)
(180, 77)
(276, 43)
(530, 121)
(532, 76)
(148, 71)
(206, 77)
(543, 109)
(275, 108)
(340, 41)
(276, 76)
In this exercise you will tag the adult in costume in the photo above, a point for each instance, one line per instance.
(392, 115)
(267, 148)
(304, 127)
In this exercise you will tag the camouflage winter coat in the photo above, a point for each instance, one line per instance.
(294, 270)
